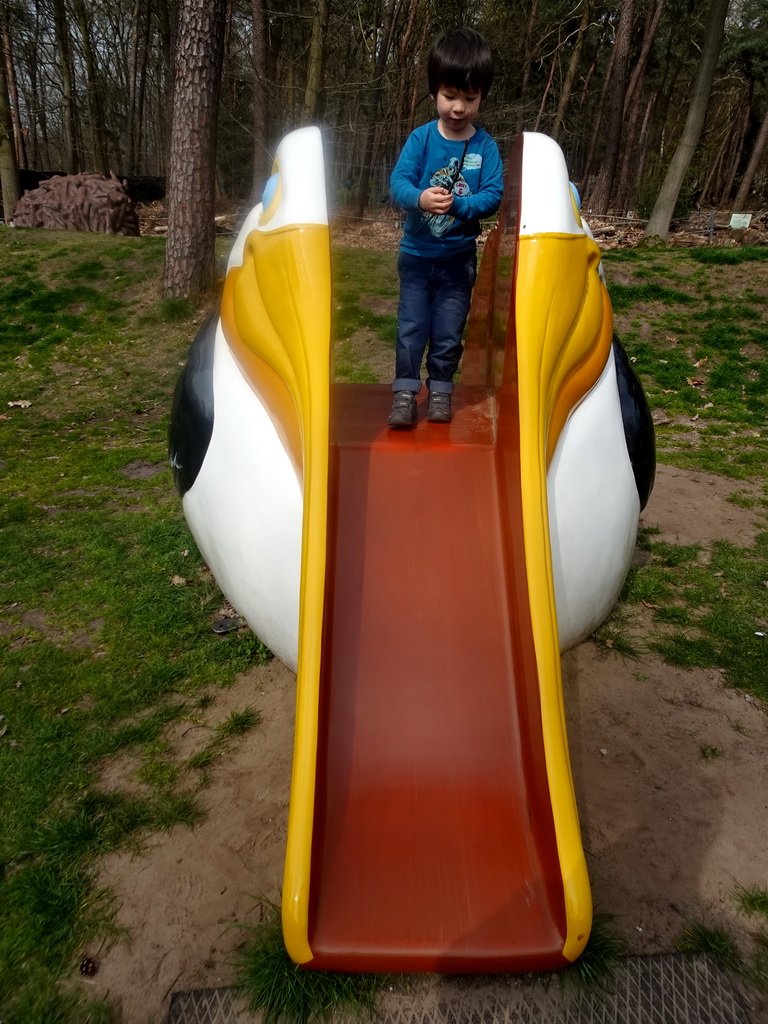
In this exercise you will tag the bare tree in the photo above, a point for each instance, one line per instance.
(573, 67)
(13, 92)
(95, 113)
(597, 118)
(374, 106)
(198, 56)
(9, 174)
(601, 194)
(96, 77)
(137, 80)
(316, 62)
(661, 215)
(634, 105)
(754, 162)
(69, 110)
(261, 99)
(527, 62)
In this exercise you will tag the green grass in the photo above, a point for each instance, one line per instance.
(613, 636)
(287, 994)
(709, 753)
(365, 294)
(100, 653)
(236, 724)
(720, 256)
(701, 351)
(752, 899)
(707, 605)
(363, 281)
(756, 970)
(749, 962)
(349, 368)
(604, 952)
(698, 938)
(624, 296)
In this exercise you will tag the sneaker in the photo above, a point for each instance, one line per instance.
(403, 413)
(439, 409)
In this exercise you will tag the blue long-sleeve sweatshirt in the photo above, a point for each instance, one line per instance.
(428, 159)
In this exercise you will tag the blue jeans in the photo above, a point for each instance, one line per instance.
(435, 295)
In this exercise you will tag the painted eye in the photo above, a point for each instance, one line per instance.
(269, 190)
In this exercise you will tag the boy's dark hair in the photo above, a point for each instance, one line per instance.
(460, 59)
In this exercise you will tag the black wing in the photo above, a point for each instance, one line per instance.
(191, 426)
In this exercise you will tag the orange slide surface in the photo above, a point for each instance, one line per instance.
(433, 839)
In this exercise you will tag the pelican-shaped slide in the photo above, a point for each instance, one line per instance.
(423, 583)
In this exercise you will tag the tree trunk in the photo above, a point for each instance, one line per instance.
(642, 146)
(628, 164)
(653, 130)
(69, 113)
(95, 113)
(261, 100)
(527, 62)
(649, 34)
(710, 187)
(587, 169)
(601, 194)
(373, 109)
(661, 215)
(13, 94)
(544, 97)
(198, 58)
(9, 172)
(573, 66)
(754, 162)
(164, 84)
(740, 136)
(633, 106)
(141, 91)
(316, 66)
(417, 72)
(136, 82)
(404, 62)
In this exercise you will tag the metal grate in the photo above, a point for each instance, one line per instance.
(668, 989)
(204, 1006)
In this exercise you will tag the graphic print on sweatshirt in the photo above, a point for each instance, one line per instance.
(449, 178)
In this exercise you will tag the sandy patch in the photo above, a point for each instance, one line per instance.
(693, 508)
(180, 900)
(667, 831)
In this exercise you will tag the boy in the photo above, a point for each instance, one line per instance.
(448, 176)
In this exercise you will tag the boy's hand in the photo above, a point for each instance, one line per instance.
(436, 200)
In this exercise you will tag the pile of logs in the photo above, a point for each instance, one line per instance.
(79, 202)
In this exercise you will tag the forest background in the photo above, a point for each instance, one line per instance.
(87, 85)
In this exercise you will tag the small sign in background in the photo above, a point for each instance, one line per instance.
(740, 220)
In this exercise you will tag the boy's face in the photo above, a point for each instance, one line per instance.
(457, 110)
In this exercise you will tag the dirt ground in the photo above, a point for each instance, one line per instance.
(667, 832)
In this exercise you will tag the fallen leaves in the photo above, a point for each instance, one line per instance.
(178, 581)
(22, 403)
